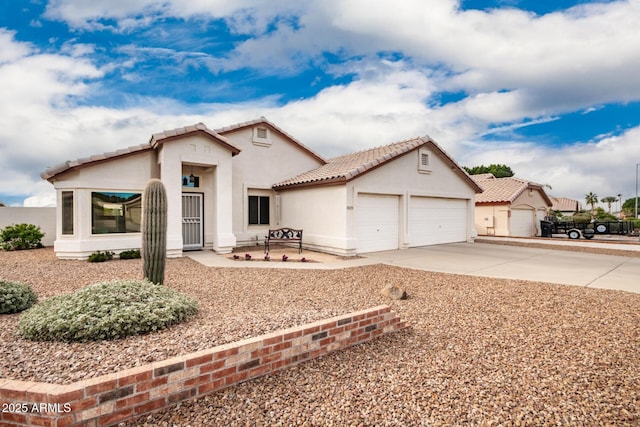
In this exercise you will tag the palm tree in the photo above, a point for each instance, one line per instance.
(591, 199)
(608, 200)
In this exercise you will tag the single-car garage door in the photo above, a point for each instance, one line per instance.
(377, 222)
(434, 221)
(521, 222)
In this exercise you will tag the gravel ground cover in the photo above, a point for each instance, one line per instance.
(480, 351)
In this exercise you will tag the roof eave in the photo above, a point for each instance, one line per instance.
(273, 127)
(73, 165)
(160, 138)
(315, 183)
(455, 167)
(496, 202)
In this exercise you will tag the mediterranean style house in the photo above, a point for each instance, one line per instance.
(510, 206)
(227, 187)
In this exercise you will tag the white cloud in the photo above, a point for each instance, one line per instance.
(11, 51)
(519, 69)
(246, 16)
(43, 195)
(605, 167)
(559, 62)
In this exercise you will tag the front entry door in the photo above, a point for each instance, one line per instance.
(192, 234)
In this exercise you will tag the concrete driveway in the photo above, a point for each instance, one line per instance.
(487, 260)
(516, 262)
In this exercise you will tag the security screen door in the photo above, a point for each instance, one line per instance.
(191, 221)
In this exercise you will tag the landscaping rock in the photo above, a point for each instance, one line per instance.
(394, 292)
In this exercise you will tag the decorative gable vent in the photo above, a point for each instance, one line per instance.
(424, 161)
(261, 136)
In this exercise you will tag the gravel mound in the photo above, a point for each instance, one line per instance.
(480, 351)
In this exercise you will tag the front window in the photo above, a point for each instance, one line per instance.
(258, 210)
(67, 212)
(115, 212)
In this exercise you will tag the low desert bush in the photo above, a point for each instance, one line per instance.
(130, 254)
(21, 236)
(100, 256)
(15, 297)
(105, 311)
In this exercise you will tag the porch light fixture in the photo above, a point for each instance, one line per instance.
(192, 178)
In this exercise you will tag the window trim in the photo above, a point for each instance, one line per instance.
(68, 219)
(259, 199)
(123, 215)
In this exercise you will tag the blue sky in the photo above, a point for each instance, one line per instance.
(549, 87)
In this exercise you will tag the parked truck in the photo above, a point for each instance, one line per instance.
(574, 230)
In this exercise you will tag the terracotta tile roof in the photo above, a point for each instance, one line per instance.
(74, 164)
(483, 176)
(564, 204)
(504, 190)
(349, 166)
(154, 141)
(264, 121)
(158, 138)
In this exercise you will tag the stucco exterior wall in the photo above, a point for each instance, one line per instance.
(328, 213)
(401, 177)
(256, 169)
(45, 218)
(322, 214)
(402, 173)
(492, 220)
(199, 155)
(530, 199)
(190, 154)
(126, 174)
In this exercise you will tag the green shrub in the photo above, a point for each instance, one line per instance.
(130, 254)
(21, 236)
(105, 311)
(100, 256)
(15, 297)
(582, 217)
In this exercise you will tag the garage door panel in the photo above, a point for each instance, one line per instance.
(377, 223)
(435, 221)
(521, 223)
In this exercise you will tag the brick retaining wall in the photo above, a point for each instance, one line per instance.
(110, 399)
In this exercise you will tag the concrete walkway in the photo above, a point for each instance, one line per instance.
(488, 260)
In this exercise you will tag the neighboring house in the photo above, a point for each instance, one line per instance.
(566, 206)
(227, 187)
(509, 206)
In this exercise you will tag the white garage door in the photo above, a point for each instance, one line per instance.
(377, 223)
(434, 221)
(521, 223)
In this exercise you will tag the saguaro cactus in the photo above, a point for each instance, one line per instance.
(154, 231)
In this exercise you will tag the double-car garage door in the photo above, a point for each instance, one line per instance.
(431, 221)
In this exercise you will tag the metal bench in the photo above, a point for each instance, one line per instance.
(283, 235)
